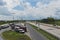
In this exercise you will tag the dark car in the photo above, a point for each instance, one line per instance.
(24, 28)
(17, 29)
(0, 28)
(3, 27)
(12, 25)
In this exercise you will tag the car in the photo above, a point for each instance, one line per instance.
(0, 28)
(22, 27)
(18, 29)
(17, 25)
(21, 31)
(4, 26)
(12, 25)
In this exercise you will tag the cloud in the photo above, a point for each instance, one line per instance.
(21, 8)
(2, 3)
(34, 9)
(11, 3)
(4, 11)
(42, 9)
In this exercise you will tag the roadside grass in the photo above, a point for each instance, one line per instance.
(46, 34)
(58, 23)
(2, 23)
(11, 35)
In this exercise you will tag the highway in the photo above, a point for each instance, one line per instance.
(34, 34)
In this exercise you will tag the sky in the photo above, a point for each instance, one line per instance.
(29, 9)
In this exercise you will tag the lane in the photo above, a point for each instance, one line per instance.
(34, 34)
(1, 38)
(1, 31)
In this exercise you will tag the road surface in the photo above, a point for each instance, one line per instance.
(1, 31)
(34, 34)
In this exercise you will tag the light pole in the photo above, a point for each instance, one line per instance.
(19, 18)
(13, 16)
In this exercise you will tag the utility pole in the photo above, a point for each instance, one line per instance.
(13, 17)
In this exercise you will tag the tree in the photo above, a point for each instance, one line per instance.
(49, 20)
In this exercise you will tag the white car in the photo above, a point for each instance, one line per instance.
(17, 27)
(21, 30)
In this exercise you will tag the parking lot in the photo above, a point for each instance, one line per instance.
(14, 27)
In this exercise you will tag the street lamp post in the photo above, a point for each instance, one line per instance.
(13, 16)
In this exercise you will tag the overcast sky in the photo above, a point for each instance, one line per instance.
(29, 9)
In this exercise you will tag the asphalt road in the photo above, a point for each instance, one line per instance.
(1, 31)
(34, 34)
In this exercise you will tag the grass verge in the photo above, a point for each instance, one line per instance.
(46, 34)
(11, 35)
